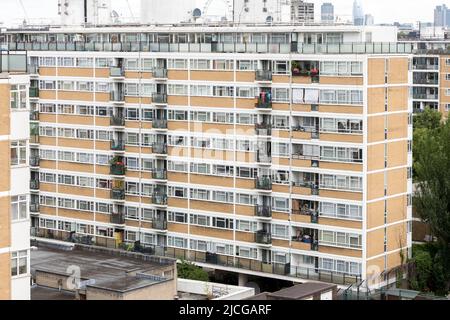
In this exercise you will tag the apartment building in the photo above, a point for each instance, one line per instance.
(276, 152)
(14, 181)
(431, 81)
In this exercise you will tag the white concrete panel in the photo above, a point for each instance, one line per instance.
(20, 180)
(20, 288)
(20, 125)
(20, 235)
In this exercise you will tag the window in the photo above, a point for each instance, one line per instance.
(18, 97)
(18, 207)
(19, 263)
(18, 152)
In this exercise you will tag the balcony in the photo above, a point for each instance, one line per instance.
(117, 97)
(313, 214)
(159, 98)
(159, 174)
(160, 73)
(159, 224)
(159, 124)
(116, 72)
(117, 169)
(424, 96)
(263, 129)
(34, 138)
(117, 145)
(117, 121)
(159, 199)
(425, 67)
(34, 92)
(118, 194)
(34, 207)
(263, 75)
(34, 184)
(159, 148)
(35, 161)
(33, 69)
(117, 218)
(263, 183)
(425, 81)
(263, 237)
(264, 104)
(263, 211)
(263, 158)
(34, 115)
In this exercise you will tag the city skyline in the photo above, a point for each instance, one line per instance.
(417, 10)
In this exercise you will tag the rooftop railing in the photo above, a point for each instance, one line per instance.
(301, 48)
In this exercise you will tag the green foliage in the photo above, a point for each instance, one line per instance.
(424, 269)
(187, 270)
(432, 196)
(429, 119)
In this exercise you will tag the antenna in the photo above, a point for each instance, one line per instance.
(24, 10)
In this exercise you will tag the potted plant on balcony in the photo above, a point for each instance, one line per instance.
(295, 68)
(117, 161)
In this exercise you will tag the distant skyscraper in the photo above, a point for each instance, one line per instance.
(358, 13)
(327, 12)
(368, 20)
(442, 16)
(301, 11)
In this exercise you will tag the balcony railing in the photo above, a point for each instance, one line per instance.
(117, 121)
(33, 69)
(159, 98)
(425, 81)
(118, 193)
(159, 174)
(286, 48)
(159, 199)
(313, 214)
(263, 157)
(263, 129)
(34, 184)
(34, 207)
(425, 96)
(35, 161)
(263, 237)
(117, 169)
(263, 211)
(117, 96)
(34, 115)
(34, 138)
(116, 72)
(263, 104)
(117, 218)
(425, 67)
(263, 75)
(159, 224)
(263, 183)
(117, 145)
(160, 73)
(159, 124)
(159, 148)
(299, 272)
(34, 92)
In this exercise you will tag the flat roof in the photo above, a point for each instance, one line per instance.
(302, 290)
(106, 269)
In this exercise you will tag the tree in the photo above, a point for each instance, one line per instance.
(428, 119)
(432, 195)
(187, 270)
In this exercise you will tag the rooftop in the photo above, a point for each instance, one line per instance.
(103, 268)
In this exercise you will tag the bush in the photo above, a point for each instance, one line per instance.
(187, 270)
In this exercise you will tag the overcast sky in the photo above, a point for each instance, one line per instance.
(384, 11)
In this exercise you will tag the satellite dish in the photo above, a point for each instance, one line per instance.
(197, 13)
